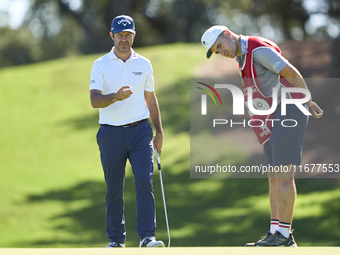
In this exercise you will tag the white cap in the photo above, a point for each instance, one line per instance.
(209, 37)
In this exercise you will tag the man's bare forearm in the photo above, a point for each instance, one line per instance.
(155, 115)
(98, 100)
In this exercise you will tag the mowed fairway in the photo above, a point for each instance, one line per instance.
(178, 251)
(52, 189)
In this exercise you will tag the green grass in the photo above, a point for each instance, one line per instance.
(51, 183)
(175, 250)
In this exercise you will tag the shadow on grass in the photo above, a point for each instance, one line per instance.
(322, 230)
(82, 122)
(202, 212)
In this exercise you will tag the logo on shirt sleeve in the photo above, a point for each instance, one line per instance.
(92, 81)
(276, 64)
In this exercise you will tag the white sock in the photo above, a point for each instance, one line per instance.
(284, 229)
(274, 225)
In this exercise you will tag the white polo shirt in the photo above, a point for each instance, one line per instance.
(109, 73)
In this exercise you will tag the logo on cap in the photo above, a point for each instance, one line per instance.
(124, 22)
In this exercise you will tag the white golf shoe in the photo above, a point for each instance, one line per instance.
(150, 242)
(115, 245)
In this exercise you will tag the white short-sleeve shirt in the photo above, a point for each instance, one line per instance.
(109, 73)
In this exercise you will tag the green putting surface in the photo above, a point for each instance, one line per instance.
(175, 251)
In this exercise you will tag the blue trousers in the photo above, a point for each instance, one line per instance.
(116, 145)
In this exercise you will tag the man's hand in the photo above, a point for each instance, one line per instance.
(315, 110)
(158, 142)
(123, 93)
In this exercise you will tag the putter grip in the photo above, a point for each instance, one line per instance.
(158, 159)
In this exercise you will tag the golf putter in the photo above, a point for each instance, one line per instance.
(163, 195)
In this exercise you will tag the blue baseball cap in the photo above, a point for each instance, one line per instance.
(123, 23)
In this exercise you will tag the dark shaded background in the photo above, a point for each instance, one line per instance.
(54, 29)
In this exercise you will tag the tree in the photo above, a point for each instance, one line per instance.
(15, 48)
(60, 29)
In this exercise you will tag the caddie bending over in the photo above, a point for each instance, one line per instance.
(262, 67)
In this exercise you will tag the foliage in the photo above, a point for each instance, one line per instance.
(55, 28)
(17, 47)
